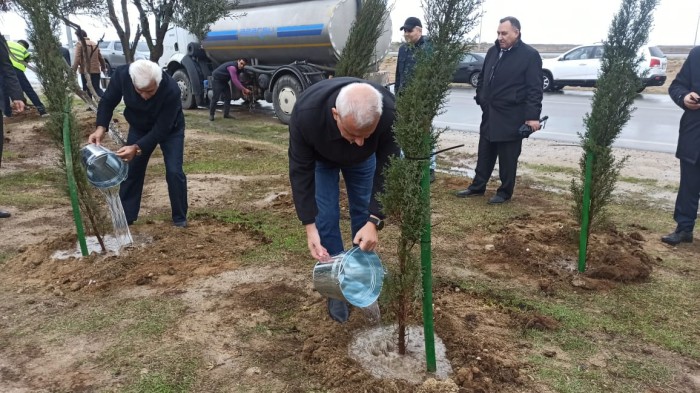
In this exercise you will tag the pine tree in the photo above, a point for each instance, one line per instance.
(615, 91)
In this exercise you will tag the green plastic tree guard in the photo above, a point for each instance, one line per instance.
(72, 187)
(583, 239)
(427, 274)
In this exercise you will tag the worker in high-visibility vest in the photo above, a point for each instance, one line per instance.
(19, 57)
(10, 88)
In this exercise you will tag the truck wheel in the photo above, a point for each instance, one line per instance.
(186, 95)
(284, 96)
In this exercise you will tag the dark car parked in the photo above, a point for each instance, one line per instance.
(469, 69)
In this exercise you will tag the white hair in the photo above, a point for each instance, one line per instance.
(361, 101)
(144, 72)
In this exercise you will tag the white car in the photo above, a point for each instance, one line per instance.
(581, 66)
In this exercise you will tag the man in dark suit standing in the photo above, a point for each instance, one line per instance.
(11, 89)
(685, 92)
(509, 92)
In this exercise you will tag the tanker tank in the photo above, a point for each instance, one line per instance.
(280, 32)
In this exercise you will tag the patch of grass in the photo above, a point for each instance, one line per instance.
(565, 380)
(636, 180)
(282, 237)
(33, 189)
(631, 213)
(670, 314)
(169, 369)
(253, 127)
(646, 369)
(239, 158)
(466, 214)
(6, 255)
(134, 318)
(549, 169)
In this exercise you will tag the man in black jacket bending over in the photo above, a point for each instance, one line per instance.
(340, 125)
(154, 113)
(509, 92)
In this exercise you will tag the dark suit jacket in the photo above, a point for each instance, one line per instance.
(509, 91)
(687, 80)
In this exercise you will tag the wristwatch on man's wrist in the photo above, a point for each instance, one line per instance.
(138, 149)
(378, 222)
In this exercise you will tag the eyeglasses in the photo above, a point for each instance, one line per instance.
(408, 30)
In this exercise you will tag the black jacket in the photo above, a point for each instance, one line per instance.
(157, 118)
(406, 62)
(314, 135)
(687, 80)
(11, 88)
(509, 91)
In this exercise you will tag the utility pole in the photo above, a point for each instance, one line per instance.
(481, 23)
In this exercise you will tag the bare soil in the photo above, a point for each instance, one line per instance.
(261, 326)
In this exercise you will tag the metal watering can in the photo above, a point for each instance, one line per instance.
(355, 276)
(104, 168)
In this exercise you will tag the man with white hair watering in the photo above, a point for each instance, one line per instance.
(154, 113)
(340, 125)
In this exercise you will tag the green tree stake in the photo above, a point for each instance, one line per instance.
(72, 188)
(426, 270)
(583, 242)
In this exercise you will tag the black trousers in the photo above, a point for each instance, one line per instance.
(95, 80)
(221, 90)
(131, 189)
(507, 154)
(686, 211)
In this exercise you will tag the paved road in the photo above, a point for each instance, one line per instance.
(653, 126)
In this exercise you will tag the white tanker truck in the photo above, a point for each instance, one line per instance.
(290, 44)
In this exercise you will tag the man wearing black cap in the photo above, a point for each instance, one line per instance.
(413, 34)
(406, 62)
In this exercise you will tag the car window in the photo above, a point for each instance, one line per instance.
(103, 45)
(142, 47)
(118, 46)
(577, 54)
(656, 52)
(598, 52)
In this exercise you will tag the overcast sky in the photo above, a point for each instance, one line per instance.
(568, 21)
(543, 21)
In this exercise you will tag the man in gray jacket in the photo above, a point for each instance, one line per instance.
(12, 90)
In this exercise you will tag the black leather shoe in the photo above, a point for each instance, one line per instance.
(228, 117)
(497, 200)
(678, 237)
(4, 214)
(211, 117)
(468, 193)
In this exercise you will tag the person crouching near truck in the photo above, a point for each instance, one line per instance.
(153, 110)
(222, 75)
(340, 125)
